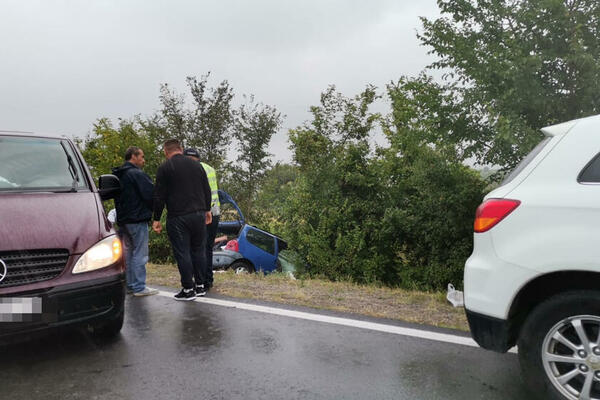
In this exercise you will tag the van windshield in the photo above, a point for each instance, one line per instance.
(38, 164)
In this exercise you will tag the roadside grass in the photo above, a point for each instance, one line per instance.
(429, 308)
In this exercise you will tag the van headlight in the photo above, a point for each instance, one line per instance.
(102, 254)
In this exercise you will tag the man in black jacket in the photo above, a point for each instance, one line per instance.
(134, 210)
(182, 185)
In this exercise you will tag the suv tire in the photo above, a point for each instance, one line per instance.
(556, 326)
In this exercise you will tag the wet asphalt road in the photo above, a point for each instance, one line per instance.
(189, 350)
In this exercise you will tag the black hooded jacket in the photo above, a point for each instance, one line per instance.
(134, 204)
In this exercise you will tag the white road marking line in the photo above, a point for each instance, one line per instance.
(397, 330)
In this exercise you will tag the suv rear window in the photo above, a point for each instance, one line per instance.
(591, 172)
(521, 166)
(38, 164)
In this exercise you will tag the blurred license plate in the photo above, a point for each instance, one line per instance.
(19, 309)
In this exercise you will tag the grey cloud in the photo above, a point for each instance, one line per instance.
(66, 63)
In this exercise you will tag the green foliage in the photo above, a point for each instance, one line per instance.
(512, 67)
(401, 215)
(106, 147)
(159, 245)
(432, 217)
(207, 125)
(254, 126)
(210, 125)
(273, 196)
(332, 209)
(432, 114)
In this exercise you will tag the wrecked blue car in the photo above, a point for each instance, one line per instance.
(251, 249)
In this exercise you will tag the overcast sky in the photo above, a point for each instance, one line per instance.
(64, 64)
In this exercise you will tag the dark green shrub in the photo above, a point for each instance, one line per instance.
(160, 246)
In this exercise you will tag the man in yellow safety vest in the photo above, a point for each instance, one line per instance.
(211, 229)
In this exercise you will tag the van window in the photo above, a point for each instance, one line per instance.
(591, 172)
(262, 241)
(525, 162)
(34, 164)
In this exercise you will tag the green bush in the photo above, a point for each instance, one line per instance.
(160, 246)
(438, 199)
(400, 216)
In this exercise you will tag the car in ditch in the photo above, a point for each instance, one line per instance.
(251, 249)
(61, 262)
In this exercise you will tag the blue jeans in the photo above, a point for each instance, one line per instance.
(135, 240)
(187, 234)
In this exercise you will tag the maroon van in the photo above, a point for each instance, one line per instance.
(60, 260)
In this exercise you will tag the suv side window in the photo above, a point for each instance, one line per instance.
(262, 241)
(591, 172)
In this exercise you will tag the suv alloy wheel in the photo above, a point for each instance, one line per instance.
(559, 347)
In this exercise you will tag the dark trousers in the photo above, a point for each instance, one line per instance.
(211, 234)
(187, 234)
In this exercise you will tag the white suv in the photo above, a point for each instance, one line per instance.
(534, 276)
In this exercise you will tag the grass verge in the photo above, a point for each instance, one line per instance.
(406, 305)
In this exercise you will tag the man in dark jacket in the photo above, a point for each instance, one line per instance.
(134, 210)
(182, 185)
(215, 210)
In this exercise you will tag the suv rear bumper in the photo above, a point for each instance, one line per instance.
(489, 332)
(79, 303)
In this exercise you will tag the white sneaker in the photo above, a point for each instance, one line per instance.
(146, 292)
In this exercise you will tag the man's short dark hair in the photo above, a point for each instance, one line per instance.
(131, 151)
(172, 145)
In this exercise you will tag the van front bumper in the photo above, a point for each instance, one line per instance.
(86, 302)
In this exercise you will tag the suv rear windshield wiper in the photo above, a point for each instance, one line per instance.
(72, 168)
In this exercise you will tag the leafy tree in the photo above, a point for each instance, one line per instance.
(210, 125)
(175, 117)
(430, 196)
(331, 215)
(273, 196)
(512, 67)
(401, 215)
(207, 125)
(254, 126)
(105, 147)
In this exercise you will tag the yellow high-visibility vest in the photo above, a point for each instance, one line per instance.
(215, 205)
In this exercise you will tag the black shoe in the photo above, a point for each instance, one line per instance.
(186, 295)
(200, 290)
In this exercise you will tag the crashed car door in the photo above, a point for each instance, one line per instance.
(230, 227)
(259, 247)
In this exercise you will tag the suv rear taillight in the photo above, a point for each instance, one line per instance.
(492, 211)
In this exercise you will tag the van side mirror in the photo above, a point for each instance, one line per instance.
(109, 187)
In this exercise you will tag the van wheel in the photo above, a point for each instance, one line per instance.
(110, 328)
(241, 267)
(559, 347)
